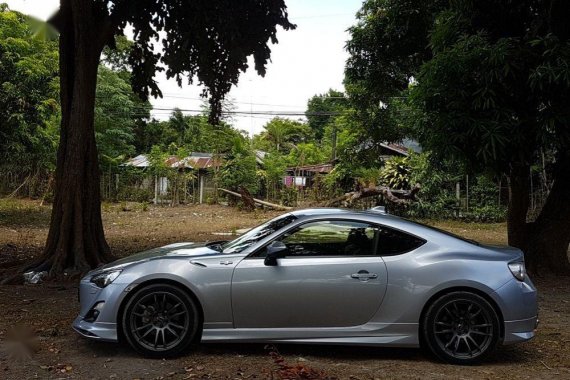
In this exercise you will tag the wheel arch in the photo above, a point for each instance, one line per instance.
(159, 281)
(453, 289)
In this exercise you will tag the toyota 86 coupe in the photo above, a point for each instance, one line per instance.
(321, 276)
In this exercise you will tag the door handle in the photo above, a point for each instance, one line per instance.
(364, 275)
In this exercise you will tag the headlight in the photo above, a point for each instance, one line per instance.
(105, 278)
(518, 270)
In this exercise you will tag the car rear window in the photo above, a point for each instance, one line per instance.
(393, 242)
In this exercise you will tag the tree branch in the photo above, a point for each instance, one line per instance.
(400, 197)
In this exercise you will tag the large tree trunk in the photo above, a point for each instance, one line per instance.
(518, 181)
(549, 235)
(544, 241)
(76, 240)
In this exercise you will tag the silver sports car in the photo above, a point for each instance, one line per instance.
(325, 276)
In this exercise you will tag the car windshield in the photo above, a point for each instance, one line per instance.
(256, 234)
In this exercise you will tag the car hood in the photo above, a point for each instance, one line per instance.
(177, 249)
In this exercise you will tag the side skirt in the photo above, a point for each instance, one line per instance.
(371, 334)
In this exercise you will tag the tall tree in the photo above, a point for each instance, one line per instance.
(322, 110)
(283, 134)
(497, 94)
(386, 48)
(490, 85)
(207, 39)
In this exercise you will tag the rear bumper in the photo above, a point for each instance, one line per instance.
(520, 331)
(519, 306)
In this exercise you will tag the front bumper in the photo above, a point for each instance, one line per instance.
(96, 330)
(104, 327)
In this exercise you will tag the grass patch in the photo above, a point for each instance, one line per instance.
(23, 213)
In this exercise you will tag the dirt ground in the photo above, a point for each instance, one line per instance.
(36, 340)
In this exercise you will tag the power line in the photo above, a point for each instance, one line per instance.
(176, 96)
(144, 110)
(247, 103)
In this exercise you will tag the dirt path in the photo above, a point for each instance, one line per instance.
(48, 348)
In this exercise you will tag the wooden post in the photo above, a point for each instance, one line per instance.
(458, 196)
(500, 185)
(201, 177)
(156, 189)
(467, 193)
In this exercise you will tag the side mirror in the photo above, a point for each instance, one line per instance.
(275, 250)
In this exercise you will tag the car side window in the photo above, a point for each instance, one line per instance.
(331, 238)
(393, 242)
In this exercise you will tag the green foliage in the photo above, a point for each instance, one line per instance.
(115, 116)
(396, 173)
(282, 135)
(485, 83)
(161, 166)
(117, 58)
(240, 168)
(353, 158)
(437, 198)
(194, 133)
(387, 46)
(289, 196)
(366, 176)
(323, 109)
(28, 96)
(496, 91)
(275, 165)
(307, 154)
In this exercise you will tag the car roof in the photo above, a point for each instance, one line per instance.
(320, 211)
(340, 211)
(389, 220)
(344, 212)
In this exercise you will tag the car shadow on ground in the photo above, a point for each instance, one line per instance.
(502, 356)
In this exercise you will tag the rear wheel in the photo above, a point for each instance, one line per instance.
(461, 328)
(160, 320)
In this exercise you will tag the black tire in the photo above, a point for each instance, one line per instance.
(461, 328)
(160, 320)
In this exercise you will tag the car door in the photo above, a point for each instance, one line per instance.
(330, 277)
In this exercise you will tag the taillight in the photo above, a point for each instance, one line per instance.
(518, 270)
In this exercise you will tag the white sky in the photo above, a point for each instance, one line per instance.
(307, 61)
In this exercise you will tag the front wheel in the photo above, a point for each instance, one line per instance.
(461, 328)
(160, 320)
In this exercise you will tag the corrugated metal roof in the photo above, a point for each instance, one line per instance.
(140, 161)
(396, 148)
(195, 161)
(198, 162)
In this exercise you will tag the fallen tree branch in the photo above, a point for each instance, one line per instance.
(15, 192)
(258, 201)
(400, 197)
